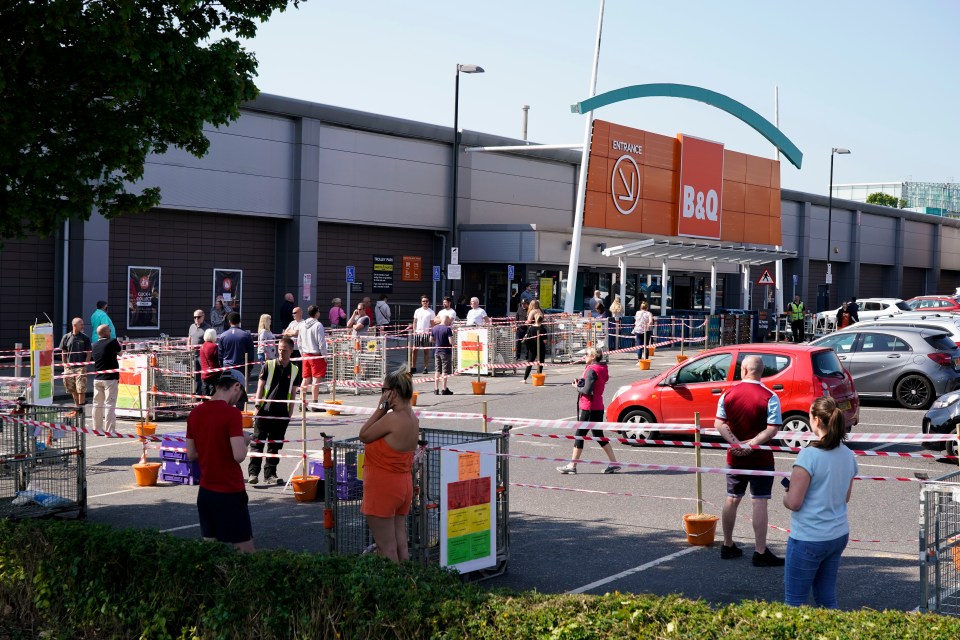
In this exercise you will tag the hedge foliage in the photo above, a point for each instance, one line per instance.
(78, 580)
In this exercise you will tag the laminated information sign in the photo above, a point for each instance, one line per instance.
(468, 515)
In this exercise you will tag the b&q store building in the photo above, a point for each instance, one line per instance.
(294, 192)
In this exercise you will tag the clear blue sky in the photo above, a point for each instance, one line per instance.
(879, 78)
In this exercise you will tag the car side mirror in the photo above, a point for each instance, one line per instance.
(672, 381)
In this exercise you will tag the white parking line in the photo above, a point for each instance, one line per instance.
(112, 493)
(630, 572)
(186, 526)
(114, 444)
(877, 424)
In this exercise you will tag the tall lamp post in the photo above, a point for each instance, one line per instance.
(834, 151)
(454, 236)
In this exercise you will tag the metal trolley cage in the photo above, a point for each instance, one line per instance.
(568, 337)
(13, 388)
(940, 546)
(175, 373)
(349, 534)
(42, 470)
(356, 360)
(501, 346)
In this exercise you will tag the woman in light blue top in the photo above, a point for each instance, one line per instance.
(817, 493)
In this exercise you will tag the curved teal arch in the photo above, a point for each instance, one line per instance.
(668, 90)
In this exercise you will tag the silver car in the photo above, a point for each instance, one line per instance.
(914, 365)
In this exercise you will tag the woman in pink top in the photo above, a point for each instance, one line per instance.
(337, 315)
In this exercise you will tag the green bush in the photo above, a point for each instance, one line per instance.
(77, 580)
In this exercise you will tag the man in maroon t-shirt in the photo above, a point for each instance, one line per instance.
(215, 437)
(748, 415)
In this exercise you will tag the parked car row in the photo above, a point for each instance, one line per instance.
(875, 308)
(911, 357)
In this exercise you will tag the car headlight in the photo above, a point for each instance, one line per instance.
(620, 390)
(946, 401)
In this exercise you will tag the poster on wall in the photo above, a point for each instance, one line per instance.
(227, 285)
(468, 514)
(546, 293)
(382, 274)
(41, 363)
(143, 304)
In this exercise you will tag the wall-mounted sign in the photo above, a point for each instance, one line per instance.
(356, 286)
(412, 269)
(143, 301)
(634, 184)
(701, 188)
(382, 274)
(307, 286)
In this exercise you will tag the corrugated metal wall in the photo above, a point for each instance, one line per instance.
(187, 247)
(27, 283)
(340, 245)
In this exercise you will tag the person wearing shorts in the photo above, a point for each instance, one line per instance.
(590, 409)
(390, 437)
(313, 344)
(423, 320)
(75, 349)
(748, 415)
(441, 336)
(215, 437)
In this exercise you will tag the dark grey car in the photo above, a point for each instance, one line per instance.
(913, 365)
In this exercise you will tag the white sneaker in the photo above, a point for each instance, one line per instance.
(568, 468)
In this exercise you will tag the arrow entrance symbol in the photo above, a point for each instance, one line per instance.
(633, 184)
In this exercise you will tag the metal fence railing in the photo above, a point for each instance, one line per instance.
(940, 545)
(42, 470)
(349, 533)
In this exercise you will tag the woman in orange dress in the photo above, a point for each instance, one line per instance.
(391, 435)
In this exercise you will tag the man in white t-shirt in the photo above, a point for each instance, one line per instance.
(293, 330)
(477, 316)
(422, 322)
(447, 311)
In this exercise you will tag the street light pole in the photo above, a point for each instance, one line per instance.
(454, 235)
(834, 151)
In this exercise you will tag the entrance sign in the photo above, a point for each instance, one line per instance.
(701, 187)
(625, 184)
(766, 278)
(643, 182)
(468, 514)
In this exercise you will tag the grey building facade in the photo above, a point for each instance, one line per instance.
(293, 192)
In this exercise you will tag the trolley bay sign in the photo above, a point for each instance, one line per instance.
(468, 517)
(382, 274)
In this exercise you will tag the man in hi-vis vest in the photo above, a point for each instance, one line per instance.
(795, 311)
(276, 390)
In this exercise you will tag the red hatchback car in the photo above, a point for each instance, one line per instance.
(798, 373)
(940, 304)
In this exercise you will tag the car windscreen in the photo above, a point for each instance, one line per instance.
(826, 364)
(941, 342)
(903, 306)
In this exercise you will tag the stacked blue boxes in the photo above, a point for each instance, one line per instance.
(349, 487)
(176, 467)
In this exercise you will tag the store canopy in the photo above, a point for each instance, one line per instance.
(688, 250)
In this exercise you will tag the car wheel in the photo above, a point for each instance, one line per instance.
(795, 424)
(637, 417)
(913, 392)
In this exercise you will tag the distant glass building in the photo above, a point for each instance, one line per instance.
(934, 198)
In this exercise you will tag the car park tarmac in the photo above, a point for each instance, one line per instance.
(590, 537)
